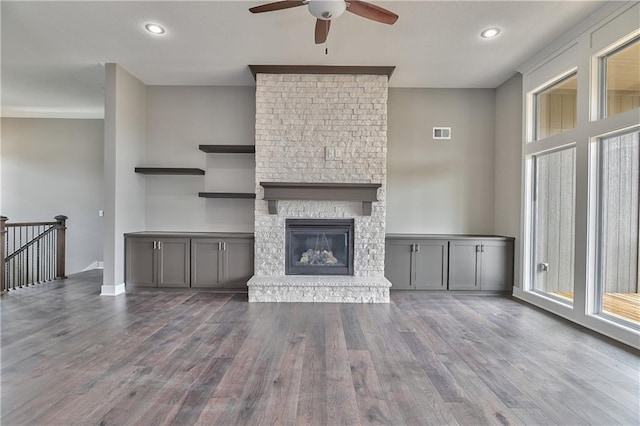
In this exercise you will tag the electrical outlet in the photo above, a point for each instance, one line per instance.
(329, 153)
(338, 153)
(101, 213)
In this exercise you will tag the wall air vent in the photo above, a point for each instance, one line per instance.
(442, 132)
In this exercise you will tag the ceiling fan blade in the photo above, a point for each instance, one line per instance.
(371, 11)
(322, 30)
(278, 5)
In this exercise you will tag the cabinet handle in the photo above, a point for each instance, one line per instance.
(413, 248)
(155, 245)
(159, 245)
(477, 249)
(482, 248)
(417, 247)
(224, 245)
(219, 246)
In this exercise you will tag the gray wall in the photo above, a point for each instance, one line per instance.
(440, 186)
(433, 186)
(178, 120)
(124, 144)
(508, 163)
(52, 167)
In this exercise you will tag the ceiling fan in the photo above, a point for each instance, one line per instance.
(326, 10)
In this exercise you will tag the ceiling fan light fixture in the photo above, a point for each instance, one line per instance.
(327, 9)
(490, 33)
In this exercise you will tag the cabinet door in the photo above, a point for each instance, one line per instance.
(140, 268)
(430, 261)
(237, 262)
(497, 266)
(173, 262)
(205, 262)
(398, 264)
(464, 265)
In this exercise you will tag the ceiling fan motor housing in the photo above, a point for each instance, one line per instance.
(327, 9)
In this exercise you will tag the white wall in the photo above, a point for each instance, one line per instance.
(178, 120)
(52, 167)
(440, 186)
(124, 145)
(508, 163)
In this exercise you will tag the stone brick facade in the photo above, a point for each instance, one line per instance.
(320, 128)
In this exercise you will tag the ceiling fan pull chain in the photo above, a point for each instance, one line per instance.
(326, 41)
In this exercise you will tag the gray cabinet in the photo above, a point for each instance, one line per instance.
(206, 260)
(419, 264)
(221, 263)
(481, 265)
(157, 262)
(449, 262)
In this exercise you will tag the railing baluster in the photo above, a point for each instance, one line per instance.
(53, 256)
(26, 254)
(37, 262)
(3, 238)
(20, 262)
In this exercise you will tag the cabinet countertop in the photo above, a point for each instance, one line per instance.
(175, 234)
(178, 234)
(447, 237)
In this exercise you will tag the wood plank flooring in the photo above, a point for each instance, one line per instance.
(152, 357)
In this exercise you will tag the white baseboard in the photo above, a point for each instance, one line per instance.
(112, 290)
(94, 265)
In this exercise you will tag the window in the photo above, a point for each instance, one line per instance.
(556, 107)
(620, 76)
(554, 223)
(619, 183)
(580, 251)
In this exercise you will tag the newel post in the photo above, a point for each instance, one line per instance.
(61, 230)
(3, 255)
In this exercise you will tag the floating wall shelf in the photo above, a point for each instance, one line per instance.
(228, 149)
(236, 195)
(168, 171)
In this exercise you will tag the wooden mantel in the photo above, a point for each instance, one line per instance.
(366, 193)
(321, 69)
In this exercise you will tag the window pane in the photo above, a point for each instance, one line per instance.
(556, 108)
(619, 183)
(622, 85)
(554, 230)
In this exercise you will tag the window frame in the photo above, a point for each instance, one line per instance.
(595, 282)
(532, 219)
(534, 103)
(599, 70)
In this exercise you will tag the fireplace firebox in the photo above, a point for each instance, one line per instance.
(319, 247)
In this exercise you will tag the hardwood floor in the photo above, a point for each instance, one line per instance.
(155, 357)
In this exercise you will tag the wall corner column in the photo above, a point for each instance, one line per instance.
(124, 149)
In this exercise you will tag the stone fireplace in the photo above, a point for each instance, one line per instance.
(321, 149)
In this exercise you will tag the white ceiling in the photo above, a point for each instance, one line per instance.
(52, 51)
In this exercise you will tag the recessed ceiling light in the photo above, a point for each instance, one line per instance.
(490, 33)
(154, 28)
